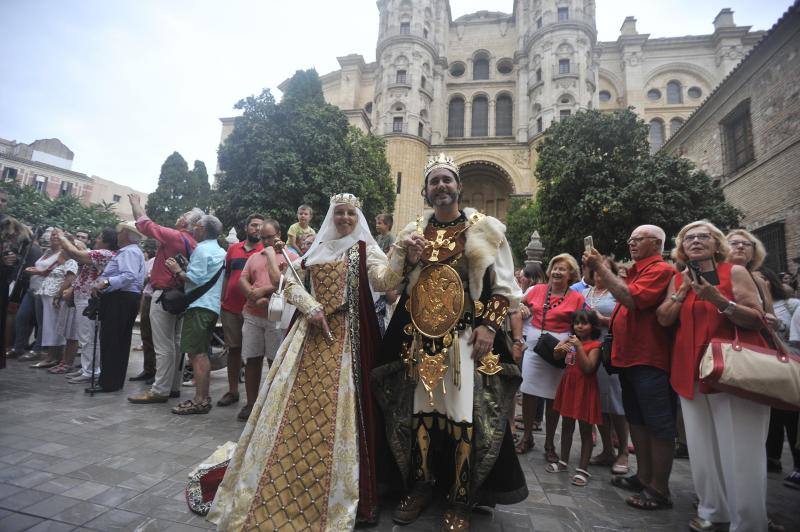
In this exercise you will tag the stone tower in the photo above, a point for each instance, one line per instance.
(409, 84)
(557, 49)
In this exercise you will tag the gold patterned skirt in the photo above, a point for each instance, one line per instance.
(296, 463)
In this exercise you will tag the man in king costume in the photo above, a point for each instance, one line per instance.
(445, 379)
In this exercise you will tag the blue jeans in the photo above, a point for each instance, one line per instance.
(24, 323)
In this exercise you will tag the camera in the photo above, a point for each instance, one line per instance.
(92, 310)
(181, 260)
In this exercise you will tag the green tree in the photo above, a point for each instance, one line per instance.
(596, 177)
(520, 224)
(179, 190)
(301, 150)
(66, 212)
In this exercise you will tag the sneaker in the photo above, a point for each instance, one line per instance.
(76, 373)
(190, 407)
(30, 356)
(80, 379)
(793, 480)
(147, 397)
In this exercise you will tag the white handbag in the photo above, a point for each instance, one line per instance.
(277, 302)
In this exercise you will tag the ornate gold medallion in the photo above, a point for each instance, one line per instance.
(437, 300)
(431, 371)
(490, 364)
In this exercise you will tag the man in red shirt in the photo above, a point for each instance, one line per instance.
(641, 349)
(233, 302)
(166, 327)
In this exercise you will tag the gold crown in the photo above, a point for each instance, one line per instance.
(441, 161)
(349, 199)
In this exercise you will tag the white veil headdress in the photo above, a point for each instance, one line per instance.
(328, 246)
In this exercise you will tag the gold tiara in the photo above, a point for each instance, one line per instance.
(349, 199)
(441, 161)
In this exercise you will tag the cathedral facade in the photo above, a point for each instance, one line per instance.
(485, 86)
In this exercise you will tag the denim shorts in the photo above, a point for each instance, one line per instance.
(649, 400)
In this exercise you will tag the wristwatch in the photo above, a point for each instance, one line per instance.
(728, 309)
(674, 297)
(519, 341)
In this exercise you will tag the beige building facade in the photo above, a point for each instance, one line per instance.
(746, 135)
(484, 87)
(46, 165)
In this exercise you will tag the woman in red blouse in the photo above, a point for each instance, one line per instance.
(725, 433)
(540, 379)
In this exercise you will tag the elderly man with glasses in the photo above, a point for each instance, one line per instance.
(641, 349)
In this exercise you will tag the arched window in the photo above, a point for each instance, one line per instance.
(656, 136)
(503, 116)
(480, 67)
(674, 125)
(480, 117)
(674, 92)
(455, 118)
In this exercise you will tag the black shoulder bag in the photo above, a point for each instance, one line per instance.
(547, 343)
(175, 301)
(605, 347)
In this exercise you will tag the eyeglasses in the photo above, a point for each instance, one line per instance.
(740, 244)
(638, 239)
(700, 237)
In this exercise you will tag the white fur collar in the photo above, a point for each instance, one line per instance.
(484, 238)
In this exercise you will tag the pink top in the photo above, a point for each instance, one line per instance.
(171, 243)
(559, 316)
(256, 273)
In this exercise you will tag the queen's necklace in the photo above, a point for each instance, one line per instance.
(595, 299)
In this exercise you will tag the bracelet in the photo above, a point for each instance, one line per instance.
(491, 328)
(674, 297)
(729, 308)
(519, 341)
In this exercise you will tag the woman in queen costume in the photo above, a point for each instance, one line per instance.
(306, 458)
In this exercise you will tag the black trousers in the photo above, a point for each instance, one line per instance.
(117, 316)
(780, 420)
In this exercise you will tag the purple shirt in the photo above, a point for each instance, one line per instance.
(126, 271)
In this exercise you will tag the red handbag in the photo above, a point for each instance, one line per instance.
(761, 374)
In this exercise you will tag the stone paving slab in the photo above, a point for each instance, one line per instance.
(73, 462)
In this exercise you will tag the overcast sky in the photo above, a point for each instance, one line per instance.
(125, 83)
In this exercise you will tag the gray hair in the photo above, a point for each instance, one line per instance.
(193, 216)
(211, 224)
(134, 238)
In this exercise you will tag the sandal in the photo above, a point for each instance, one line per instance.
(620, 469)
(58, 370)
(537, 426)
(649, 499)
(698, 524)
(556, 467)
(631, 483)
(190, 407)
(550, 455)
(525, 445)
(581, 477)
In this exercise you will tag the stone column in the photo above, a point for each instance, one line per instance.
(492, 117)
(467, 118)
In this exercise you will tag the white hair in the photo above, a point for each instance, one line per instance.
(211, 224)
(656, 232)
(193, 216)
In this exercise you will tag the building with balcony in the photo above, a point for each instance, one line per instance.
(485, 86)
(46, 165)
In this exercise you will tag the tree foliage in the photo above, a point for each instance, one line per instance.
(67, 212)
(520, 223)
(597, 177)
(301, 150)
(179, 190)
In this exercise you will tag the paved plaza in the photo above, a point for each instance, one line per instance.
(73, 462)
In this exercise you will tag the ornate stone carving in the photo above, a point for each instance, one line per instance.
(522, 159)
(534, 251)
(631, 59)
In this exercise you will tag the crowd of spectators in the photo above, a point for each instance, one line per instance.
(629, 341)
